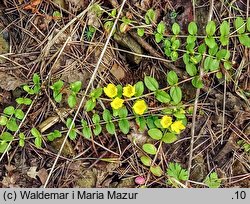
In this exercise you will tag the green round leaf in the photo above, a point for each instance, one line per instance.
(123, 112)
(76, 86)
(162, 96)
(150, 16)
(139, 88)
(3, 120)
(176, 44)
(202, 48)
(149, 148)
(248, 24)
(110, 127)
(172, 78)
(191, 69)
(28, 89)
(19, 114)
(6, 136)
(219, 75)
(27, 101)
(167, 43)
(141, 122)
(227, 65)
(197, 82)
(174, 56)
(176, 94)
(191, 39)
(210, 28)
(211, 64)
(38, 142)
(156, 170)
(57, 85)
(176, 28)
(124, 126)
(151, 121)
(221, 54)
(158, 37)
(97, 130)
(224, 40)
(96, 118)
(35, 132)
(212, 51)
(69, 122)
(224, 28)
(72, 134)
(140, 32)
(10, 110)
(96, 93)
(210, 42)
(146, 160)
(161, 27)
(155, 134)
(87, 132)
(90, 105)
(3, 146)
(215, 65)
(72, 100)
(106, 115)
(57, 97)
(169, 138)
(12, 125)
(190, 47)
(192, 28)
(57, 14)
(239, 25)
(196, 59)
(245, 40)
(36, 78)
(151, 83)
(186, 58)
(119, 90)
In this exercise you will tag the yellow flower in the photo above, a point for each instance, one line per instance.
(117, 103)
(166, 121)
(128, 91)
(177, 126)
(140, 107)
(110, 90)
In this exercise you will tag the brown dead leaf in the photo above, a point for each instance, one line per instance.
(43, 175)
(117, 71)
(8, 82)
(146, 4)
(9, 167)
(10, 181)
(32, 173)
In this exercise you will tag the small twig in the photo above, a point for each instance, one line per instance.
(194, 12)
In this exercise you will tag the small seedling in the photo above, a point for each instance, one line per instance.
(212, 180)
(175, 171)
(54, 135)
(38, 137)
(75, 87)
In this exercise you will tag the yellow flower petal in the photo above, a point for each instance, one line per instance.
(128, 91)
(117, 103)
(140, 107)
(110, 90)
(166, 121)
(177, 126)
